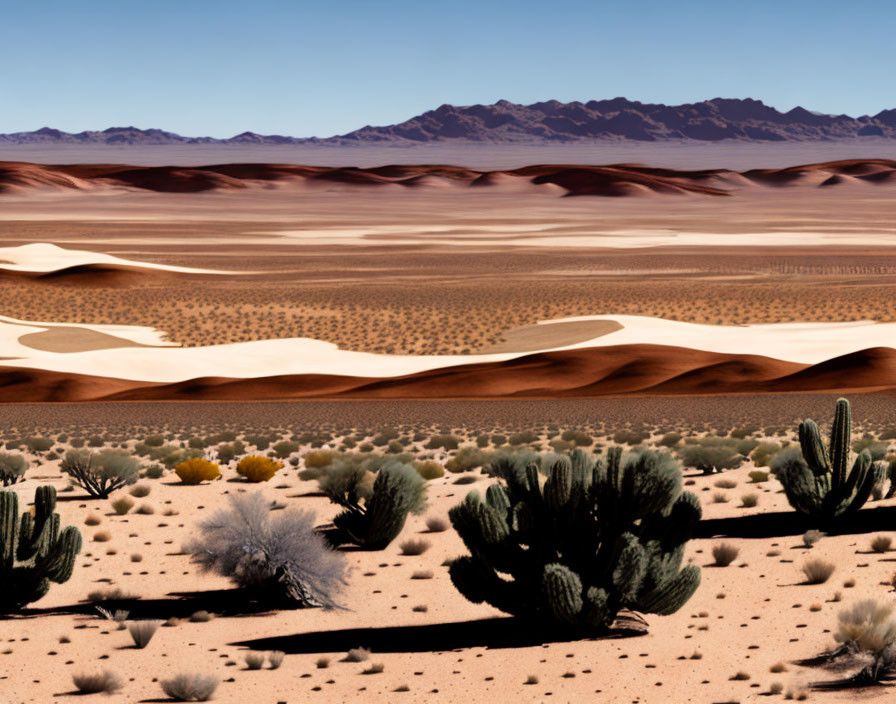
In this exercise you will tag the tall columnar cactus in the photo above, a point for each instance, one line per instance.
(33, 551)
(818, 481)
(594, 539)
(373, 518)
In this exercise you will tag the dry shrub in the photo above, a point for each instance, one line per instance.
(319, 458)
(724, 554)
(275, 658)
(357, 655)
(96, 682)
(866, 626)
(429, 469)
(258, 469)
(881, 543)
(122, 505)
(254, 659)
(190, 687)
(143, 631)
(139, 491)
(436, 524)
(818, 571)
(414, 546)
(196, 470)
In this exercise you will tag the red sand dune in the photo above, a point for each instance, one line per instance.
(614, 180)
(624, 370)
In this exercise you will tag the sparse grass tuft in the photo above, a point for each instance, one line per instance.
(818, 571)
(881, 543)
(96, 682)
(414, 546)
(724, 554)
(190, 687)
(143, 631)
(357, 655)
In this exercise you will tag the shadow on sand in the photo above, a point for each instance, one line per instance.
(500, 632)
(785, 523)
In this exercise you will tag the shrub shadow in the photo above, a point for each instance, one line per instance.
(498, 632)
(181, 605)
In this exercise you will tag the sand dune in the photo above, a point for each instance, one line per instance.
(572, 180)
(48, 262)
(649, 370)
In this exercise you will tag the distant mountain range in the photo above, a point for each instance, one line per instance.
(548, 122)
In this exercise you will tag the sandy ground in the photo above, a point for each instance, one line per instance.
(757, 606)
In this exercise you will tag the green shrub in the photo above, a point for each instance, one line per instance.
(577, 438)
(757, 476)
(429, 469)
(630, 437)
(669, 440)
(39, 444)
(526, 437)
(446, 442)
(100, 473)
(284, 449)
(468, 458)
(711, 455)
(12, 468)
(763, 453)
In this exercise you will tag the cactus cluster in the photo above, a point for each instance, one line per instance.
(33, 550)
(595, 539)
(373, 517)
(818, 481)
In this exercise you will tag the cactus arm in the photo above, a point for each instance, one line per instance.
(841, 434)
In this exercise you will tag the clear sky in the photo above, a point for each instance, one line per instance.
(310, 67)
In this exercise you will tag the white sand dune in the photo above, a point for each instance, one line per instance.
(44, 258)
(806, 343)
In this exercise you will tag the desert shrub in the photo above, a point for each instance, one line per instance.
(384, 437)
(414, 546)
(743, 431)
(276, 557)
(228, 451)
(577, 438)
(468, 458)
(100, 473)
(122, 505)
(154, 471)
(201, 616)
(154, 440)
(39, 444)
(669, 440)
(374, 668)
(143, 631)
(284, 449)
(817, 571)
(197, 470)
(436, 524)
(876, 449)
(710, 455)
(254, 659)
(372, 518)
(12, 468)
(190, 687)
(810, 537)
(34, 551)
(630, 437)
(725, 483)
(558, 445)
(816, 479)
(534, 549)
(866, 629)
(745, 447)
(145, 510)
(319, 458)
(482, 441)
(106, 682)
(881, 543)
(429, 469)
(275, 658)
(357, 655)
(749, 500)
(138, 491)
(445, 442)
(763, 453)
(525, 437)
(498, 440)
(758, 476)
(258, 469)
(724, 554)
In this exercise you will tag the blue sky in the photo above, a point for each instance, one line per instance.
(320, 68)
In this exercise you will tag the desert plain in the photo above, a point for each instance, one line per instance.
(443, 315)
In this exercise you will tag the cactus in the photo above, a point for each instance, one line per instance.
(595, 539)
(818, 481)
(33, 550)
(373, 518)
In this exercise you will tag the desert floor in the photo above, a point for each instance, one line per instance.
(744, 619)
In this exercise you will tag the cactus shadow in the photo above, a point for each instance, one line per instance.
(790, 523)
(492, 633)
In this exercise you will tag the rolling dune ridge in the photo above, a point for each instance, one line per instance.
(571, 180)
